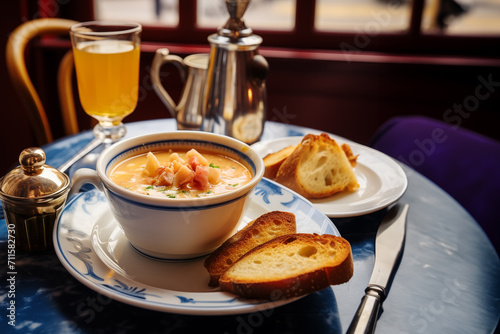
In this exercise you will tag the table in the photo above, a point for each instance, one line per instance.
(447, 281)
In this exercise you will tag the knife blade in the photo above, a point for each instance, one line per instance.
(389, 244)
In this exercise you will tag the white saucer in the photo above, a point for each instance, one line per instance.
(382, 181)
(93, 248)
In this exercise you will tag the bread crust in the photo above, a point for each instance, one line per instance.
(266, 227)
(353, 159)
(315, 150)
(273, 161)
(328, 271)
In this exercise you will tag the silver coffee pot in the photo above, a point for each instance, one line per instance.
(235, 95)
(224, 92)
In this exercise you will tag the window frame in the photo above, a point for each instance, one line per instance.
(304, 36)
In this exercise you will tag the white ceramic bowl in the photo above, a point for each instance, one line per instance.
(173, 229)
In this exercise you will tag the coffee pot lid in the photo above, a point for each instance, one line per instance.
(235, 30)
(33, 178)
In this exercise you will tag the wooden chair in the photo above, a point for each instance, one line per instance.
(15, 55)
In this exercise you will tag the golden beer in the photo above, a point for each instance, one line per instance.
(108, 78)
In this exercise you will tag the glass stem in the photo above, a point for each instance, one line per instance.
(110, 134)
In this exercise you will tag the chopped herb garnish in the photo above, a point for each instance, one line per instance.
(213, 166)
(234, 184)
(170, 196)
(148, 187)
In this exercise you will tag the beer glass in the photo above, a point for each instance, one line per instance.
(107, 70)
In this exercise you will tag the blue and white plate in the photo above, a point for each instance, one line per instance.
(381, 179)
(92, 247)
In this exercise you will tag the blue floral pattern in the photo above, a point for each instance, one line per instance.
(82, 255)
(185, 300)
(267, 189)
(132, 291)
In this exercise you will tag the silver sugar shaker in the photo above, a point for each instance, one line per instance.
(33, 195)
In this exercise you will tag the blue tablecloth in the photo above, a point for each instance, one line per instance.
(447, 281)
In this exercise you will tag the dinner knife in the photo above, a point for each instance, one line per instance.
(389, 244)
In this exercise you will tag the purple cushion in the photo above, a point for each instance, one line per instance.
(463, 163)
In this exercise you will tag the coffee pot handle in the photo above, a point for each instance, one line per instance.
(162, 56)
(260, 69)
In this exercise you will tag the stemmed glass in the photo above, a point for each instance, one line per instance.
(107, 70)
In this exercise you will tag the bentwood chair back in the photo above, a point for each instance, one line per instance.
(16, 64)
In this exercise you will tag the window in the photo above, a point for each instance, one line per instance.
(164, 12)
(452, 27)
(462, 17)
(357, 15)
(450, 16)
(263, 14)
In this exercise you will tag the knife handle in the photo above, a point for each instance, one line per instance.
(366, 316)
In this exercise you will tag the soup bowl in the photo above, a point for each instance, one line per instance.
(175, 229)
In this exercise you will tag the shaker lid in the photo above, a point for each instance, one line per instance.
(235, 31)
(33, 178)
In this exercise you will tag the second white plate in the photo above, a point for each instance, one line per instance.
(382, 181)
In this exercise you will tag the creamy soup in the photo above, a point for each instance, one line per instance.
(180, 174)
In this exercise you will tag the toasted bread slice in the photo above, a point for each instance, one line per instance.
(268, 226)
(318, 168)
(273, 161)
(290, 266)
